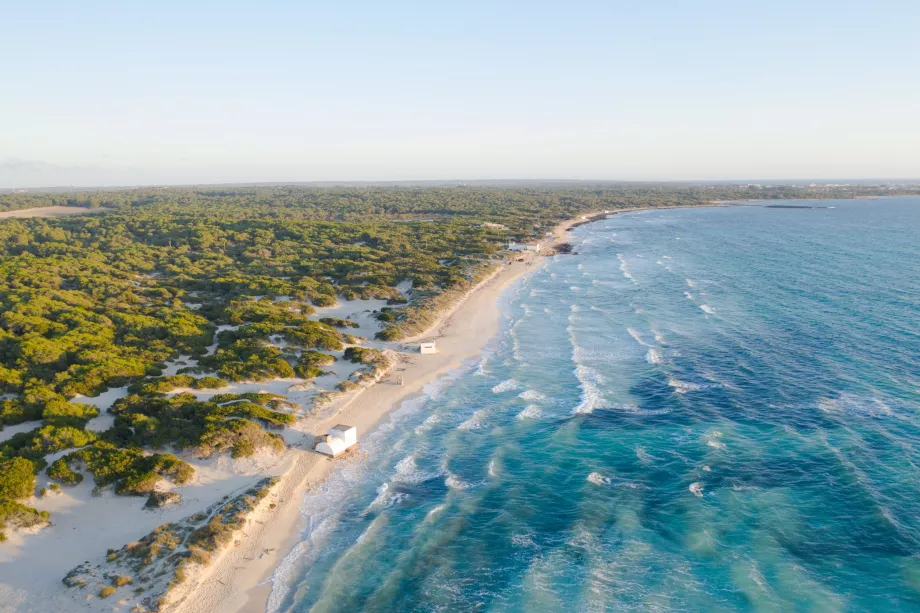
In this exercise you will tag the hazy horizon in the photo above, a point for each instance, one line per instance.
(106, 94)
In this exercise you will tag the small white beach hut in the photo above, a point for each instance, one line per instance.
(427, 347)
(339, 439)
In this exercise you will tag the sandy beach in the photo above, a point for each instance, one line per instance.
(239, 581)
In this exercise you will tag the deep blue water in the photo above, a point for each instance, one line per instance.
(703, 410)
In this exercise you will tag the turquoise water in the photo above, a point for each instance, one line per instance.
(703, 410)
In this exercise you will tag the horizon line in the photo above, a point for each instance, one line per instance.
(788, 182)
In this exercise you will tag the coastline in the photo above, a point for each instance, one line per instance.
(239, 579)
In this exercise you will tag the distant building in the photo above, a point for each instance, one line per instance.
(427, 348)
(339, 439)
(535, 247)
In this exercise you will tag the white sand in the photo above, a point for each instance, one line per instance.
(51, 211)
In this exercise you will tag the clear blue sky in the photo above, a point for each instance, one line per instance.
(180, 92)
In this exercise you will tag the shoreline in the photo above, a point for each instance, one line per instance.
(239, 581)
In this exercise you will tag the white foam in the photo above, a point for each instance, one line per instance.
(688, 295)
(523, 541)
(429, 421)
(481, 367)
(383, 497)
(633, 333)
(455, 483)
(532, 396)
(682, 387)
(492, 467)
(599, 479)
(624, 269)
(408, 472)
(643, 455)
(853, 404)
(653, 355)
(707, 309)
(690, 283)
(697, 489)
(591, 397)
(475, 421)
(531, 411)
(509, 385)
(435, 511)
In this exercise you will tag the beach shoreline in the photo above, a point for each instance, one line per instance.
(239, 581)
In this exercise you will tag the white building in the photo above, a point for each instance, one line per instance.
(427, 348)
(340, 439)
(524, 247)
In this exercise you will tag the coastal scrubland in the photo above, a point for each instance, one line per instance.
(232, 282)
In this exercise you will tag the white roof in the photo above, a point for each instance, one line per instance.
(332, 446)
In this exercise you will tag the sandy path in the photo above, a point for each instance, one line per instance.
(51, 211)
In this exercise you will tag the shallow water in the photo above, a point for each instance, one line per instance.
(705, 410)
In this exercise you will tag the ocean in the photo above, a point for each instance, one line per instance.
(711, 409)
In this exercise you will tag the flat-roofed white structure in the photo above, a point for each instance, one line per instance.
(340, 438)
(427, 347)
(524, 247)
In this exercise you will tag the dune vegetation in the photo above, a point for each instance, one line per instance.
(88, 303)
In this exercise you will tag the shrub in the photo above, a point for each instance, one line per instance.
(49, 439)
(63, 413)
(17, 478)
(14, 411)
(338, 322)
(122, 580)
(106, 591)
(210, 383)
(316, 358)
(61, 471)
(308, 371)
(362, 355)
(20, 516)
(240, 436)
(390, 333)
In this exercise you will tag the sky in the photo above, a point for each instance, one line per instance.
(126, 93)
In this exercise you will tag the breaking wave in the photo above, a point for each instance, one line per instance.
(509, 385)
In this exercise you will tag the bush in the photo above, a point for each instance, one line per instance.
(49, 439)
(63, 413)
(14, 411)
(106, 591)
(17, 478)
(210, 383)
(338, 322)
(60, 470)
(362, 355)
(308, 371)
(390, 333)
(240, 436)
(316, 358)
(122, 580)
(132, 472)
(20, 516)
